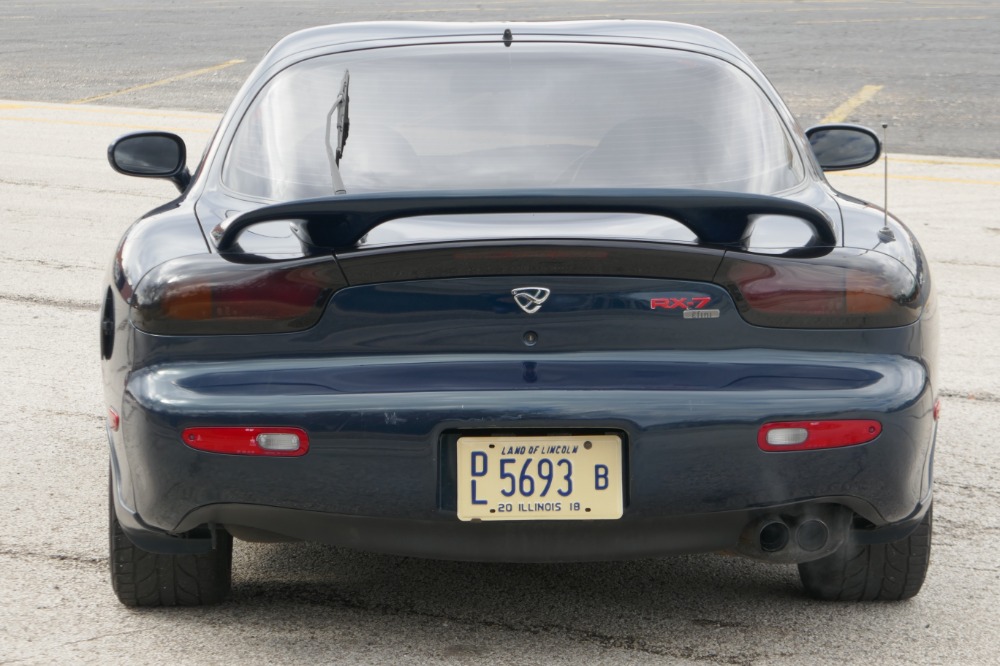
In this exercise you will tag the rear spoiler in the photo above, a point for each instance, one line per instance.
(338, 223)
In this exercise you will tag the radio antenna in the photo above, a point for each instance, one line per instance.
(885, 233)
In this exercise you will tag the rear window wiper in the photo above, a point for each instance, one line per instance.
(335, 148)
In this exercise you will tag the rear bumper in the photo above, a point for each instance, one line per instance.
(380, 473)
(563, 541)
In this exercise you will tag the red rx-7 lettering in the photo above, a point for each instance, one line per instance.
(670, 303)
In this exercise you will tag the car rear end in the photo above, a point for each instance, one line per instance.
(412, 362)
(551, 359)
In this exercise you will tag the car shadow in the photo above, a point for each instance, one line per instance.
(306, 603)
(505, 594)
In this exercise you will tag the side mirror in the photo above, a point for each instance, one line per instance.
(839, 147)
(151, 155)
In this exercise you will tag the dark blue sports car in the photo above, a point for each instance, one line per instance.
(524, 292)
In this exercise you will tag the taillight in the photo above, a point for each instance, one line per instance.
(809, 435)
(248, 441)
(208, 294)
(845, 288)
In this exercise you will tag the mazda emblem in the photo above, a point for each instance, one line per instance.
(530, 299)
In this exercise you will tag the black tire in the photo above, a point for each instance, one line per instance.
(879, 572)
(142, 578)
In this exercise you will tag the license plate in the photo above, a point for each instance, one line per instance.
(552, 477)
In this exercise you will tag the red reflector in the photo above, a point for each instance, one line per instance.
(806, 435)
(937, 409)
(246, 441)
(114, 421)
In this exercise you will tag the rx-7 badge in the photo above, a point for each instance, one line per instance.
(530, 299)
(692, 307)
(682, 303)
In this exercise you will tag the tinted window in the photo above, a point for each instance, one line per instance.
(481, 116)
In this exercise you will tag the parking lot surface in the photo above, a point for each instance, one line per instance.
(930, 67)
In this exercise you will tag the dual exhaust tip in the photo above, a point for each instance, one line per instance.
(810, 535)
(796, 534)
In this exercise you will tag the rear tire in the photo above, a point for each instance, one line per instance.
(877, 572)
(142, 578)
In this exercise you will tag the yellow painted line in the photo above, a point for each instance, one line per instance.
(87, 123)
(981, 165)
(931, 179)
(841, 112)
(895, 19)
(161, 82)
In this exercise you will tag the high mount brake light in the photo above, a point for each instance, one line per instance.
(843, 289)
(811, 435)
(248, 441)
(209, 295)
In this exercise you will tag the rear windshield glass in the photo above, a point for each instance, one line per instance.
(482, 116)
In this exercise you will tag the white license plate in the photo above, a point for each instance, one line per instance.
(551, 477)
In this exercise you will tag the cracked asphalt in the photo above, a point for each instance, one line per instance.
(61, 213)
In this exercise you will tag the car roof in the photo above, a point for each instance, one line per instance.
(664, 33)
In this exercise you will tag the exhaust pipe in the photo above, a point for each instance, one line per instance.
(795, 536)
(772, 536)
(811, 535)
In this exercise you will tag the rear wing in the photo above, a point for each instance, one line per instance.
(338, 223)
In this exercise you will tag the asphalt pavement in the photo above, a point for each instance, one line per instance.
(62, 213)
(77, 74)
(931, 68)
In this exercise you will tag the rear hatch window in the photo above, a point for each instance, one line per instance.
(535, 115)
